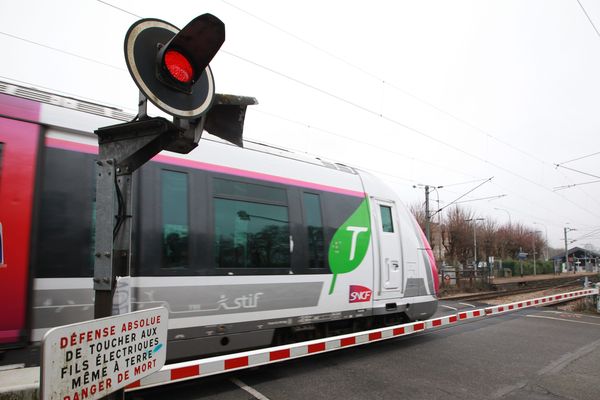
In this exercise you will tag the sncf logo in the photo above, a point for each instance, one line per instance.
(359, 294)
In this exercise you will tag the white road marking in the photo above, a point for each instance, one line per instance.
(448, 307)
(558, 365)
(565, 312)
(562, 319)
(248, 389)
(468, 305)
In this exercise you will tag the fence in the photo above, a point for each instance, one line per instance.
(465, 279)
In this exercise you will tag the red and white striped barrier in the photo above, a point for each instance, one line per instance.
(231, 362)
(542, 301)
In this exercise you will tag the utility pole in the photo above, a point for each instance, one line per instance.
(427, 215)
(534, 238)
(534, 266)
(427, 208)
(475, 244)
(475, 238)
(566, 251)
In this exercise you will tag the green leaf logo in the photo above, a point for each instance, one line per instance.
(350, 243)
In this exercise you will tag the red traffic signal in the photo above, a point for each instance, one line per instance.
(170, 66)
(178, 66)
(181, 61)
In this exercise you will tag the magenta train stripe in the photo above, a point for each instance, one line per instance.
(255, 175)
(91, 149)
(19, 108)
(72, 146)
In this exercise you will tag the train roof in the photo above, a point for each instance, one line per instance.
(59, 110)
(70, 123)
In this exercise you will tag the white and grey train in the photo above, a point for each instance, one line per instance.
(245, 247)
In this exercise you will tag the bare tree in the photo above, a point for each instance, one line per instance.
(501, 241)
(487, 238)
(459, 234)
(418, 210)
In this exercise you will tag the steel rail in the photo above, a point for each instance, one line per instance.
(545, 285)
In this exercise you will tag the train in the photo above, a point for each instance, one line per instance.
(246, 247)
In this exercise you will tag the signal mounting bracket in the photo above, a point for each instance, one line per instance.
(123, 148)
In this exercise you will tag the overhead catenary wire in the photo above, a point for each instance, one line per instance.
(407, 127)
(498, 196)
(381, 80)
(262, 142)
(388, 118)
(363, 142)
(264, 112)
(463, 183)
(534, 205)
(395, 178)
(62, 51)
(578, 171)
(120, 9)
(387, 82)
(404, 179)
(377, 114)
(379, 172)
(370, 111)
(383, 149)
(298, 81)
(589, 234)
(463, 195)
(588, 18)
(306, 42)
(304, 83)
(415, 130)
(577, 159)
(575, 184)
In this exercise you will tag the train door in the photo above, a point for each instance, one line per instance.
(389, 248)
(18, 149)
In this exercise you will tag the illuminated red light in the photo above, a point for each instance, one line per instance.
(178, 65)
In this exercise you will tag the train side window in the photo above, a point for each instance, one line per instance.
(314, 224)
(66, 215)
(175, 217)
(249, 191)
(387, 223)
(251, 226)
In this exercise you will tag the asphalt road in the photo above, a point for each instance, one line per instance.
(531, 354)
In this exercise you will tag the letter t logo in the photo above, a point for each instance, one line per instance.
(356, 230)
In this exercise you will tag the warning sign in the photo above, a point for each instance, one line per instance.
(92, 359)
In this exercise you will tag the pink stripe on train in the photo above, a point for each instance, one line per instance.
(92, 149)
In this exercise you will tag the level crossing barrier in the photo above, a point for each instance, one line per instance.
(231, 362)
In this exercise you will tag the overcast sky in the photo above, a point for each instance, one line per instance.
(445, 93)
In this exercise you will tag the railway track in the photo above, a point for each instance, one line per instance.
(520, 287)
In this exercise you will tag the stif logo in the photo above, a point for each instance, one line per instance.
(359, 294)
